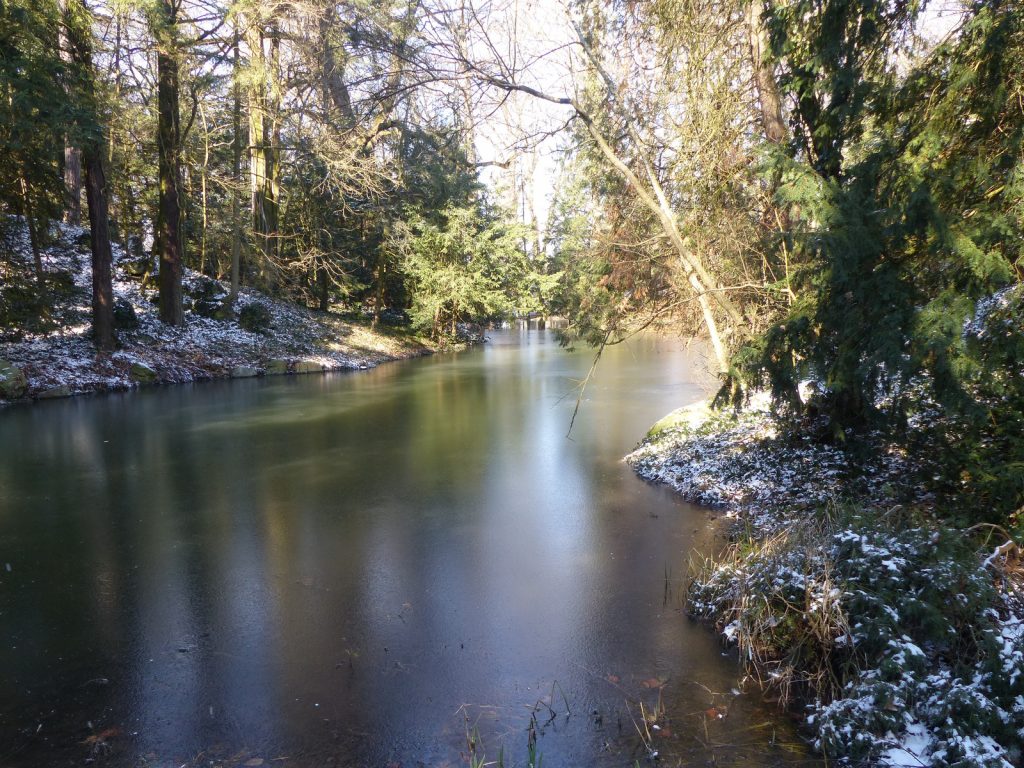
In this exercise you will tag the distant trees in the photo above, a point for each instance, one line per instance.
(464, 263)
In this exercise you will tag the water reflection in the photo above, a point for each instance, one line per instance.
(358, 568)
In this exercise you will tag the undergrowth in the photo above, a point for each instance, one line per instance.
(889, 623)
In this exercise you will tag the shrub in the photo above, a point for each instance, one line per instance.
(125, 318)
(888, 622)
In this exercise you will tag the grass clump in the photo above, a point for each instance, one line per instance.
(889, 623)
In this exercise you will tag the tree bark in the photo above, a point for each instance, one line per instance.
(272, 191)
(30, 222)
(77, 22)
(257, 131)
(72, 154)
(764, 76)
(72, 184)
(236, 178)
(204, 207)
(169, 165)
(323, 290)
(99, 241)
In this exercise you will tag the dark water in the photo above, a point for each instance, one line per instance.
(362, 569)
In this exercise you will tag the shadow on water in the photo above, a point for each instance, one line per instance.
(407, 566)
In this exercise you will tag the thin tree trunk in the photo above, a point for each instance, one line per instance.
(169, 166)
(72, 154)
(72, 184)
(656, 200)
(30, 222)
(272, 192)
(257, 133)
(236, 178)
(202, 189)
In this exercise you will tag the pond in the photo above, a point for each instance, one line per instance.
(413, 565)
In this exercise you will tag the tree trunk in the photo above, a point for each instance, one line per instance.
(72, 184)
(30, 222)
(169, 165)
(323, 285)
(99, 241)
(72, 154)
(764, 76)
(203, 173)
(236, 178)
(272, 192)
(257, 131)
(78, 23)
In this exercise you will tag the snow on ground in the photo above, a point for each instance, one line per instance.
(62, 360)
(747, 463)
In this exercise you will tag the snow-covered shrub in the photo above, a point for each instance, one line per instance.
(892, 626)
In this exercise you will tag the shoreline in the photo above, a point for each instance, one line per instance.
(253, 336)
(845, 593)
(275, 367)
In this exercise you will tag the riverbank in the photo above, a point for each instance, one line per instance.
(258, 335)
(846, 593)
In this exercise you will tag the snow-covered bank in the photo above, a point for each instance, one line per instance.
(843, 591)
(59, 359)
(749, 463)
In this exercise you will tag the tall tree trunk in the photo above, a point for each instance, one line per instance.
(236, 176)
(272, 192)
(78, 23)
(203, 173)
(169, 164)
(72, 154)
(99, 241)
(257, 130)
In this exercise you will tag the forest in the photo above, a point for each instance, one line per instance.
(830, 193)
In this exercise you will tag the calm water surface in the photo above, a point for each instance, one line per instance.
(362, 569)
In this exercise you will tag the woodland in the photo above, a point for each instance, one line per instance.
(830, 192)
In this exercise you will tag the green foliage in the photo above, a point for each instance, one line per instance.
(906, 199)
(465, 264)
(33, 113)
(978, 451)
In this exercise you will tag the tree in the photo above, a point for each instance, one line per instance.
(905, 187)
(31, 120)
(78, 24)
(465, 265)
(164, 25)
